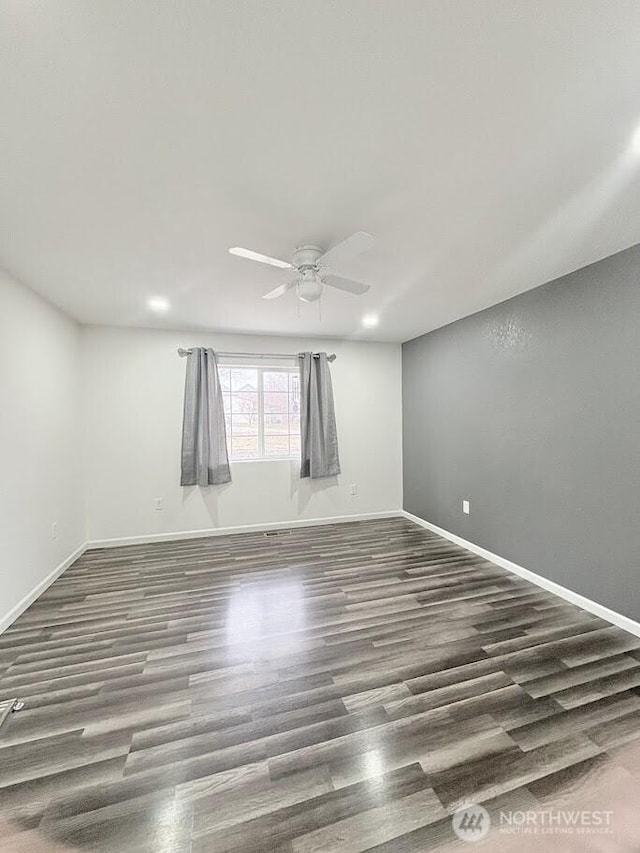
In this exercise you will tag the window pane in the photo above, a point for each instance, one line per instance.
(276, 425)
(294, 388)
(242, 429)
(226, 400)
(245, 403)
(275, 380)
(294, 443)
(244, 446)
(294, 423)
(225, 378)
(276, 445)
(276, 403)
(244, 379)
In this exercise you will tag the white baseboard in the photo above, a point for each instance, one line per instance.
(10, 617)
(587, 604)
(242, 528)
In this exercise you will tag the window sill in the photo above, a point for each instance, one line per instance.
(265, 459)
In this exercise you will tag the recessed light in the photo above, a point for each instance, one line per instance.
(370, 320)
(158, 304)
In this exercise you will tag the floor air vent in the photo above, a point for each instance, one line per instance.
(278, 533)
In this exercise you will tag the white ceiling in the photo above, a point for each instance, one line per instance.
(485, 145)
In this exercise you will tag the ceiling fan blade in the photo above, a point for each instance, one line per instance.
(256, 256)
(347, 284)
(349, 248)
(279, 291)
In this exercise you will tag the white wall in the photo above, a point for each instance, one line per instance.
(40, 462)
(133, 383)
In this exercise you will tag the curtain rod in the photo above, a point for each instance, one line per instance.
(184, 352)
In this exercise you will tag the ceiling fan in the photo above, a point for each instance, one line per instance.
(313, 266)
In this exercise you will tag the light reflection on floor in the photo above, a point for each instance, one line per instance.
(265, 618)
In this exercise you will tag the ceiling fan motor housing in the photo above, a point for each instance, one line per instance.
(306, 256)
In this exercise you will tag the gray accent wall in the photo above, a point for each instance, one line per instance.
(531, 411)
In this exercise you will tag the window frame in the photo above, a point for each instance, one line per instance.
(261, 369)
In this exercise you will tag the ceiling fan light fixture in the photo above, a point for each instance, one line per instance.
(309, 288)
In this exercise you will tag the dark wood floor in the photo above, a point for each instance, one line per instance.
(342, 688)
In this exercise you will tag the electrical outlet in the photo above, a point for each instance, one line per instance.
(54, 530)
(353, 489)
(158, 503)
(465, 507)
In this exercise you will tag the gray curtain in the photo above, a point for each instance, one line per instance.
(319, 438)
(205, 461)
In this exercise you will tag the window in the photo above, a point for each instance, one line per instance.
(262, 411)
